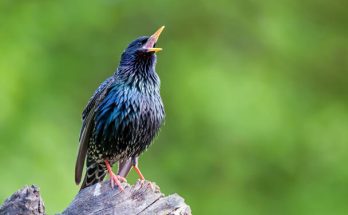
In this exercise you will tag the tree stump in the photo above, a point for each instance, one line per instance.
(142, 198)
(25, 201)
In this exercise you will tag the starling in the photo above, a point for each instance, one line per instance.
(122, 117)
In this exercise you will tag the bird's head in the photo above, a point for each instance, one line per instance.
(141, 53)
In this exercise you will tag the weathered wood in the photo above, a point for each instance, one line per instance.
(24, 202)
(141, 198)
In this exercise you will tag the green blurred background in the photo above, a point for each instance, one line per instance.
(256, 96)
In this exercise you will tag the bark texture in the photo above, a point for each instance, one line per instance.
(25, 201)
(141, 198)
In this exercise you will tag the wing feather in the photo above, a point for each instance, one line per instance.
(88, 125)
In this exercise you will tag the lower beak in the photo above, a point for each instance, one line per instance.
(152, 40)
(154, 49)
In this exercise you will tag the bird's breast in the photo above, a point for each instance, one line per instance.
(126, 122)
(129, 113)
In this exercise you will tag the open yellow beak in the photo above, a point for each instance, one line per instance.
(152, 40)
(154, 49)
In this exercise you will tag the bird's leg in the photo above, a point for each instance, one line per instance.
(124, 166)
(135, 167)
(114, 179)
(137, 170)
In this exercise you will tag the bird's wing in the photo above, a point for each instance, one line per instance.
(87, 126)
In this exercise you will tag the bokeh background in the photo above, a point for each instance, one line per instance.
(256, 96)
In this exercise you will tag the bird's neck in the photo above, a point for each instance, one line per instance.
(138, 74)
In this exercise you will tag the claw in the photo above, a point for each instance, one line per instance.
(147, 184)
(151, 186)
(122, 179)
(115, 179)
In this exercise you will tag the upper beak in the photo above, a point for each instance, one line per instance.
(152, 40)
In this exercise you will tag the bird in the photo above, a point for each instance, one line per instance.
(122, 117)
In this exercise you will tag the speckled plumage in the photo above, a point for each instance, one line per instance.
(123, 116)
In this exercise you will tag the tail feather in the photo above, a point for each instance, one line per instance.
(95, 173)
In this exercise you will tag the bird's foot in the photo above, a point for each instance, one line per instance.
(147, 184)
(142, 179)
(116, 180)
(151, 186)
